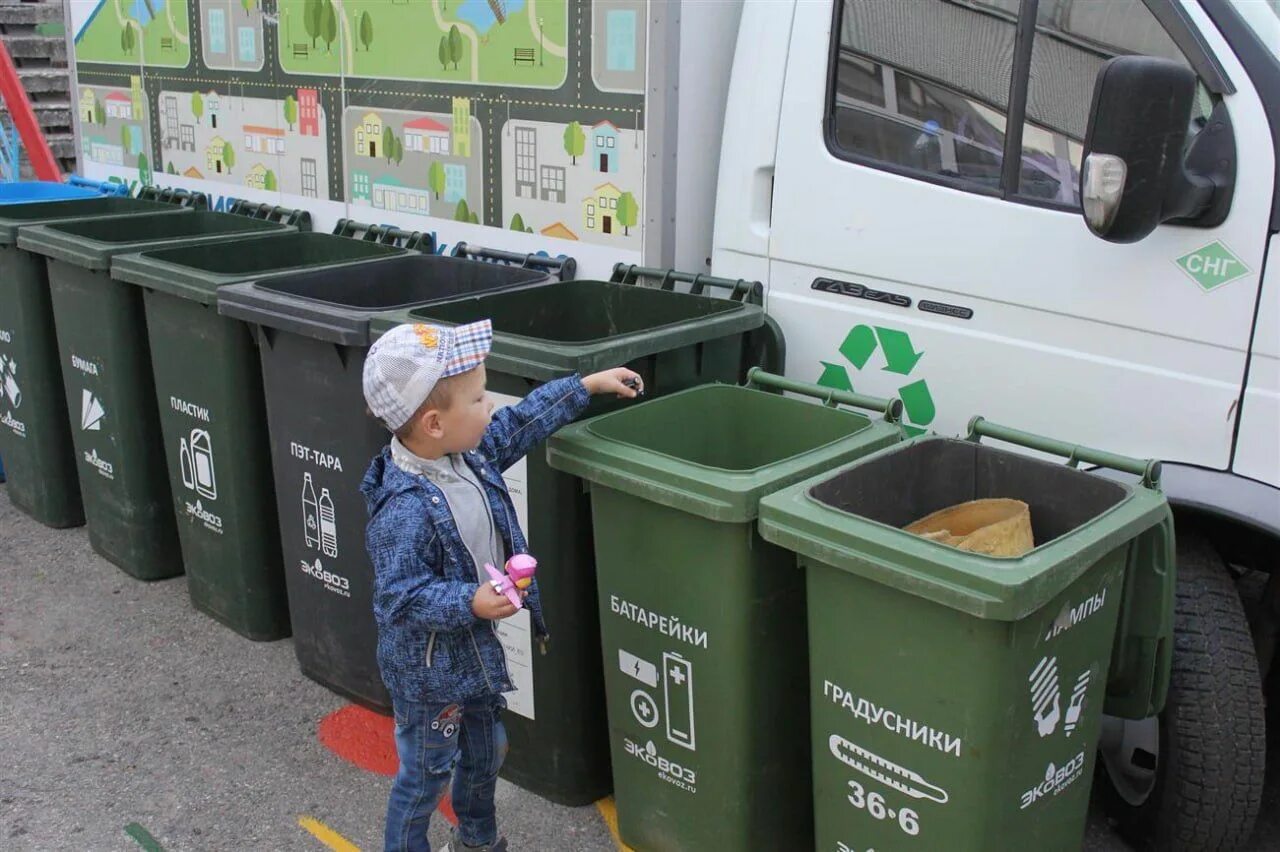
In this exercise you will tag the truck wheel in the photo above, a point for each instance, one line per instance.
(1192, 778)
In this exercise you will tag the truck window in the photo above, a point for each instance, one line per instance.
(1073, 39)
(922, 87)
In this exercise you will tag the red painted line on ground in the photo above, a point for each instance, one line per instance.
(368, 740)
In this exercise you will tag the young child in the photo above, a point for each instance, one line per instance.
(438, 511)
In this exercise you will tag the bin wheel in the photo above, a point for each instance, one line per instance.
(1191, 779)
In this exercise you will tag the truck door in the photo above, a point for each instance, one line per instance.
(927, 240)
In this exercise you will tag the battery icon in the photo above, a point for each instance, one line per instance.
(677, 688)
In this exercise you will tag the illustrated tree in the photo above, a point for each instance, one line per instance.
(443, 53)
(99, 112)
(269, 182)
(124, 138)
(313, 19)
(248, 5)
(455, 46)
(145, 177)
(463, 213)
(575, 141)
(128, 38)
(388, 143)
(291, 111)
(366, 30)
(435, 178)
(228, 156)
(171, 169)
(628, 211)
(197, 106)
(517, 223)
(330, 25)
(399, 144)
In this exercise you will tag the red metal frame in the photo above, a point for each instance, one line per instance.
(24, 119)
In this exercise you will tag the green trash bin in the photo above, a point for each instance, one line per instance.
(107, 378)
(702, 623)
(556, 722)
(35, 438)
(956, 697)
(208, 381)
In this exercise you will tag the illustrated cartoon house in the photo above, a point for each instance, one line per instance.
(256, 177)
(87, 103)
(102, 151)
(360, 188)
(192, 172)
(604, 147)
(455, 182)
(213, 155)
(559, 231)
(600, 210)
(263, 140)
(368, 135)
(119, 105)
(462, 127)
(212, 104)
(426, 135)
(309, 112)
(391, 195)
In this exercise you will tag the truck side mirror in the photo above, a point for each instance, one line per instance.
(1134, 174)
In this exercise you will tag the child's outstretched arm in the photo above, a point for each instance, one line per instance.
(517, 429)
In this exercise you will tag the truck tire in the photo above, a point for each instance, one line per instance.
(1210, 741)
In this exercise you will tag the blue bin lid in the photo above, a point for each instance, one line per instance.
(29, 191)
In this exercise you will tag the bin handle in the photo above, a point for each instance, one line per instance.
(174, 195)
(891, 407)
(1148, 469)
(386, 235)
(740, 290)
(103, 186)
(301, 219)
(562, 267)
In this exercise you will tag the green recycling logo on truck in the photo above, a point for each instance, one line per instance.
(900, 357)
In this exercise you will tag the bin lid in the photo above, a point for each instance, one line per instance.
(91, 243)
(585, 326)
(14, 216)
(336, 305)
(714, 450)
(196, 272)
(27, 192)
(1078, 518)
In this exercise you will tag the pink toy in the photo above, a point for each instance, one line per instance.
(519, 576)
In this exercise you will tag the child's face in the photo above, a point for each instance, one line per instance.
(467, 417)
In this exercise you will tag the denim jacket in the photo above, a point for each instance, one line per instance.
(431, 647)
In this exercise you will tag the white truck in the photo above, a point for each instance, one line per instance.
(1055, 214)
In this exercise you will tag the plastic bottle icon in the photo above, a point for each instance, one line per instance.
(188, 470)
(310, 512)
(328, 527)
(202, 457)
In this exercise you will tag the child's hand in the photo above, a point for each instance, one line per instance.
(492, 605)
(621, 381)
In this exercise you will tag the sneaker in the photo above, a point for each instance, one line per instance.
(456, 845)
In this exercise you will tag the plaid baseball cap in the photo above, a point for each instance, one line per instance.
(405, 364)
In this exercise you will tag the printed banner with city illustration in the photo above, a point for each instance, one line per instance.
(454, 116)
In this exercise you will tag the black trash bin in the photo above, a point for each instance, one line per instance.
(313, 330)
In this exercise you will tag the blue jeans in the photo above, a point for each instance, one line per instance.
(432, 741)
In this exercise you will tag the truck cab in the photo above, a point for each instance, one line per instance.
(1056, 214)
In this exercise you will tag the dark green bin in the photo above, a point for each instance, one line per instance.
(102, 341)
(557, 729)
(208, 380)
(703, 622)
(313, 330)
(35, 439)
(956, 697)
